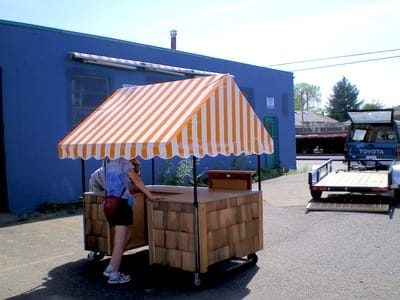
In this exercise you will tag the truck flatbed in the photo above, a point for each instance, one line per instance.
(343, 180)
(361, 181)
(350, 180)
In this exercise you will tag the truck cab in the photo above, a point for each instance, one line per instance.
(373, 134)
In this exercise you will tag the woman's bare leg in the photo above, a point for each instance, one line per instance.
(120, 241)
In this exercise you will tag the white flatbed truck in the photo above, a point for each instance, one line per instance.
(372, 156)
(360, 180)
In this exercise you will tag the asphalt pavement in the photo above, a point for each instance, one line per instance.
(306, 255)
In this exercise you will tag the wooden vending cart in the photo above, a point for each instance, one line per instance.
(230, 222)
(190, 118)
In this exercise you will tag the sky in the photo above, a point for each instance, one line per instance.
(265, 33)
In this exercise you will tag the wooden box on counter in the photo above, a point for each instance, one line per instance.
(230, 225)
(230, 179)
(98, 237)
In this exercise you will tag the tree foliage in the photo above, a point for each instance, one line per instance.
(375, 104)
(306, 96)
(343, 99)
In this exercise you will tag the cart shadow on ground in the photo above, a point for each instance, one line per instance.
(83, 279)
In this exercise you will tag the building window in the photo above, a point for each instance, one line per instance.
(249, 95)
(162, 78)
(285, 104)
(87, 92)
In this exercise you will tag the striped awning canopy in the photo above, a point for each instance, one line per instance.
(192, 117)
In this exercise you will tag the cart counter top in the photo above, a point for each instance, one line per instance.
(184, 194)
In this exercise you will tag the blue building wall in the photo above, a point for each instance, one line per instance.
(36, 91)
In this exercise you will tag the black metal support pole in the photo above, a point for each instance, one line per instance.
(153, 171)
(196, 224)
(194, 178)
(259, 171)
(83, 176)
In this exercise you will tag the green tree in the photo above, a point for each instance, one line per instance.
(343, 99)
(306, 96)
(375, 104)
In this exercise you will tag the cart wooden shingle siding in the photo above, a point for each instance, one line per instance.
(230, 225)
(98, 236)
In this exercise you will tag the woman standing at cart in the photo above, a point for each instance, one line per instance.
(96, 180)
(119, 176)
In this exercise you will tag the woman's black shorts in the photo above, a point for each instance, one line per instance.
(123, 216)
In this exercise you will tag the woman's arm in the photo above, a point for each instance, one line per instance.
(137, 180)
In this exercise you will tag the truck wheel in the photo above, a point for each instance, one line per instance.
(396, 193)
(316, 194)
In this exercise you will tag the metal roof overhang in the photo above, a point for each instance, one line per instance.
(136, 64)
(321, 135)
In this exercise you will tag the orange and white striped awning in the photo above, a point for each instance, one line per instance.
(192, 117)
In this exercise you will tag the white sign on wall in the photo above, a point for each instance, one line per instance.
(270, 102)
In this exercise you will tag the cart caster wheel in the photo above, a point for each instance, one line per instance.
(253, 257)
(197, 281)
(95, 256)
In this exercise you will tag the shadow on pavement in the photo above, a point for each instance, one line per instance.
(363, 199)
(7, 219)
(83, 279)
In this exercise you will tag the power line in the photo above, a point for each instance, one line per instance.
(347, 63)
(334, 57)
